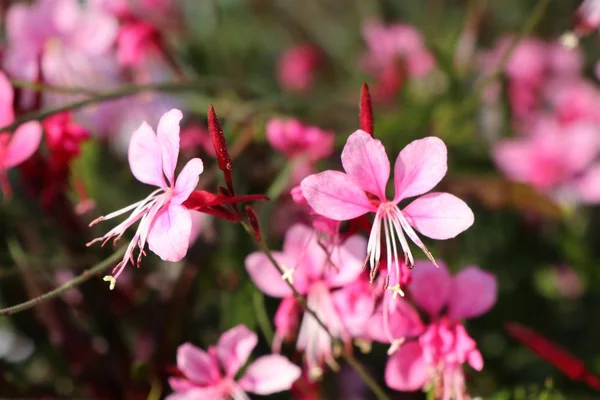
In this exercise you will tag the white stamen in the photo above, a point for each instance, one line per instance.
(288, 274)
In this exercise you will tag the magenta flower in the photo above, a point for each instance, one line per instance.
(316, 270)
(18, 147)
(212, 374)
(440, 351)
(296, 67)
(163, 221)
(362, 189)
(292, 138)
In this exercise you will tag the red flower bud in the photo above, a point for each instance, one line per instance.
(367, 123)
(253, 222)
(220, 145)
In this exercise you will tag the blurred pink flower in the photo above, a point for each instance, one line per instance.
(296, 67)
(573, 100)
(164, 222)
(587, 17)
(293, 139)
(134, 41)
(552, 157)
(60, 42)
(18, 147)
(212, 374)
(394, 53)
(444, 346)
(315, 270)
(420, 166)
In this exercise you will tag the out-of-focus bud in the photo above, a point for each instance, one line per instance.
(220, 145)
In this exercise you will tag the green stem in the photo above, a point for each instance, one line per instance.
(38, 87)
(84, 276)
(349, 357)
(258, 299)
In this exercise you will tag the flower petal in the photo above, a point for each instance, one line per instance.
(419, 167)
(395, 318)
(430, 287)
(303, 250)
(23, 143)
(334, 195)
(265, 276)
(270, 374)
(234, 348)
(473, 293)
(7, 114)
(145, 159)
(439, 215)
(211, 392)
(170, 232)
(366, 163)
(187, 180)
(406, 369)
(347, 261)
(197, 365)
(168, 139)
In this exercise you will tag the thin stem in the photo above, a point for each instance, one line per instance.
(39, 87)
(258, 300)
(84, 276)
(350, 359)
(534, 18)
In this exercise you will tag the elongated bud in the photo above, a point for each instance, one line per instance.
(253, 222)
(366, 111)
(220, 145)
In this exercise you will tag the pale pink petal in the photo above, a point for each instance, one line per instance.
(7, 114)
(234, 348)
(346, 261)
(303, 250)
(355, 304)
(334, 195)
(400, 320)
(366, 163)
(439, 215)
(515, 158)
(168, 139)
(430, 286)
(145, 159)
(23, 143)
(169, 236)
(187, 180)
(419, 167)
(580, 146)
(95, 33)
(270, 374)
(475, 360)
(588, 185)
(265, 276)
(406, 369)
(197, 365)
(473, 293)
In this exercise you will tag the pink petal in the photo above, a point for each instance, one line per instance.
(473, 293)
(168, 139)
(23, 143)
(234, 348)
(7, 114)
(302, 248)
(211, 392)
(197, 365)
(270, 374)
(430, 287)
(95, 33)
(475, 360)
(267, 278)
(515, 158)
(439, 215)
(334, 195)
(170, 232)
(145, 159)
(419, 167)
(588, 185)
(355, 305)
(187, 180)
(402, 320)
(406, 370)
(366, 163)
(346, 261)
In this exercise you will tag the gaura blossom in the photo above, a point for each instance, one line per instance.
(440, 351)
(316, 271)
(362, 189)
(163, 221)
(18, 147)
(296, 67)
(212, 374)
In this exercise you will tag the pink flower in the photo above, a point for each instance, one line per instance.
(60, 42)
(211, 374)
(164, 222)
(315, 269)
(587, 17)
(18, 147)
(444, 346)
(362, 189)
(296, 67)
(292, 138)
(552, 157)
(134, 42)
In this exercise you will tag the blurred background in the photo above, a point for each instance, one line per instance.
(435, 67)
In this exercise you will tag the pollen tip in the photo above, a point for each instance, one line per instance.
(111, 281)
